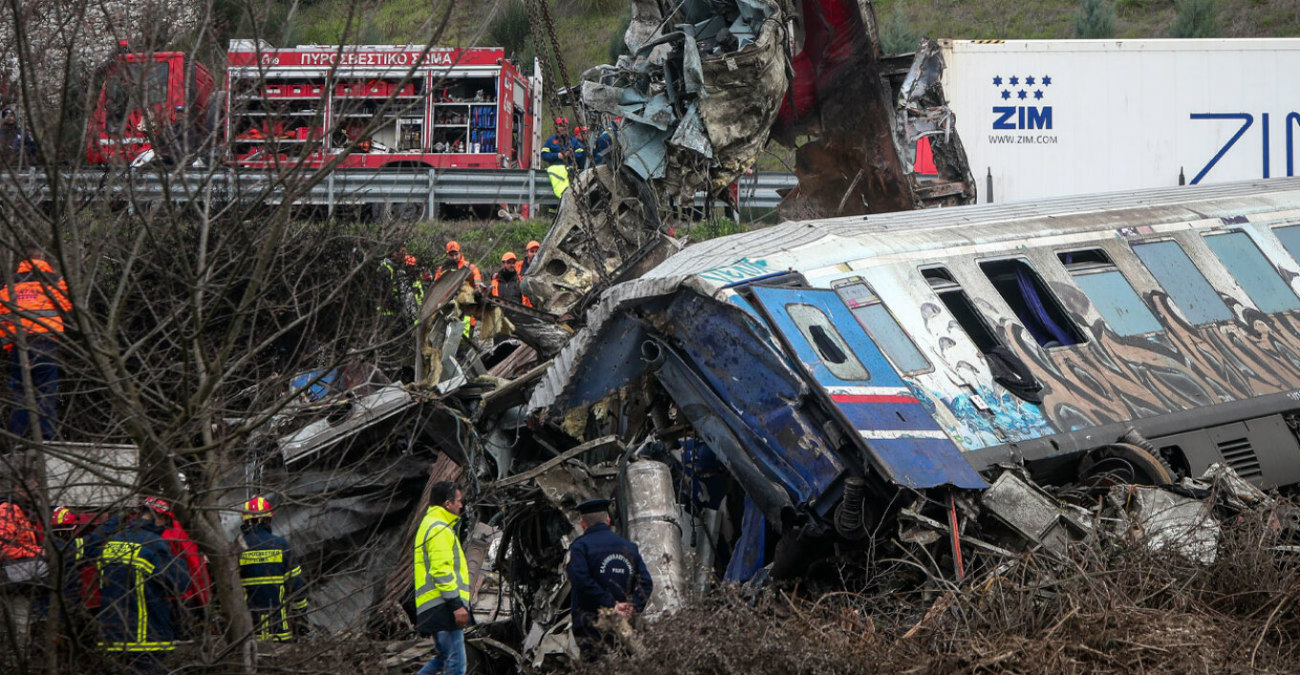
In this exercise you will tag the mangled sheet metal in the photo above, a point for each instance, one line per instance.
(694, 103)
(881, 136)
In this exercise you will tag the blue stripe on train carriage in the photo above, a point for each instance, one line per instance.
(838, 354)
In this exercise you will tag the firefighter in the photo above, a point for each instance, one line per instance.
(563, 148)
(138, 576)
(273, 585)
(196, 564)
(67, 555)
(403, 289)
(530, 252)
(505, 283)
(31, 321)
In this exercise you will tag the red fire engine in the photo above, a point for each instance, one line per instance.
(141, 90)
(380, 106)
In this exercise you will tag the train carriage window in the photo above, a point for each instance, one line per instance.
(835, 353)
(1185, 284)
(1110, 292)
(958, 303)
(1290, 237)
(880, 324)
(1253, 271)
(1033, 303)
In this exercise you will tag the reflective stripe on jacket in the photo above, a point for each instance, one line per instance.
(272, 581)
(39, 298)
(441, 571)
(137, 577)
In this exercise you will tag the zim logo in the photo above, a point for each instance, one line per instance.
(1024, 95)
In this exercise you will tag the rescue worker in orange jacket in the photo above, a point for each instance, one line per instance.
(505, 283)
(456, 261)
(530, 252)
(31, 321)
(17, 535)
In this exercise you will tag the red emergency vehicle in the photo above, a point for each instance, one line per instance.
(380, 106)
(164, 90)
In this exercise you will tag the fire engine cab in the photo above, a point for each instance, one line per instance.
(379, 106)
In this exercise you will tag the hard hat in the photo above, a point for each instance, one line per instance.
(257, 507)
(509, 256)
(63, 518)
(561, 121)
(157, 505)
(453, 246)
(533, 245)
(579, 131)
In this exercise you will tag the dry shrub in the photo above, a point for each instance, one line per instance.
(1108, 607)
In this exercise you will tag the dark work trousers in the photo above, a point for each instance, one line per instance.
(41, 353)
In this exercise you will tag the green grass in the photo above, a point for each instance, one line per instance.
(481, 242)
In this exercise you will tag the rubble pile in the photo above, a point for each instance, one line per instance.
(1115, 601)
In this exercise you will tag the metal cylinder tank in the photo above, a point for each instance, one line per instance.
(652, 522)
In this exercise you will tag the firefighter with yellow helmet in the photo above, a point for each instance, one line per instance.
(273, 585)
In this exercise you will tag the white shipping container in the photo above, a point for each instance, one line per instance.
(1046, 118)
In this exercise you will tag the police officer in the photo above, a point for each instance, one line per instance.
(272, 580)
(138, 576)
(605, 570)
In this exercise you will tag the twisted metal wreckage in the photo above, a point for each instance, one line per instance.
(646, 380)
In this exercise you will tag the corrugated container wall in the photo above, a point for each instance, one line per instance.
(1048, 118)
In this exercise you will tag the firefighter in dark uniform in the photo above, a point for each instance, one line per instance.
(605, 570)
(272, 579)
(138, 576)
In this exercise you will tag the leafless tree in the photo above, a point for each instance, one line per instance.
(195, 304)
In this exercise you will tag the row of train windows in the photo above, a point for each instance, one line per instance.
(1106, 287)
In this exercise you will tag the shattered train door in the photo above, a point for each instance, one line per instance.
(898, 432)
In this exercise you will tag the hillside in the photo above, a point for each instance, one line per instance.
(586, 28)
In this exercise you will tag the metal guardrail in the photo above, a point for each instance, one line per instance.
(424, 189)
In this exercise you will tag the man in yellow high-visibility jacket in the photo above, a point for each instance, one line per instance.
(442, 581)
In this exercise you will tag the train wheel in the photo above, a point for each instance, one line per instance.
(1124, 463)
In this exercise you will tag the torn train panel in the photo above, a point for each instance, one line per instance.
(694, 103)
(883, 137)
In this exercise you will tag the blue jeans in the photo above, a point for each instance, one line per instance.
(451, 654)
(45, 381)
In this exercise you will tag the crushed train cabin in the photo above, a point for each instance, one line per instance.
(832, 364)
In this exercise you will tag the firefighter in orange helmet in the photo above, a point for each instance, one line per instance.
(31, 320)
(273, 584)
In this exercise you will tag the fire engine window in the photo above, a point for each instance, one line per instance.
(1034, 305)
(1185, 284)
(1256, 275)
(1290, 238)
(1110, 292)
(962, 309)
(134, 86)
(834, 352)
(880, 324)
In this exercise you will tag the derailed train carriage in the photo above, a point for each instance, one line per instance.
(836, 367)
